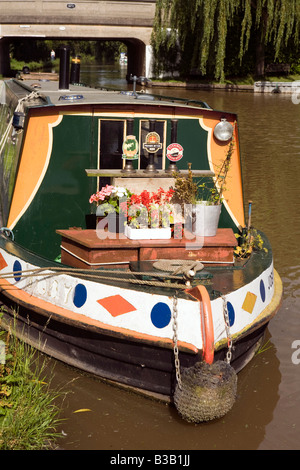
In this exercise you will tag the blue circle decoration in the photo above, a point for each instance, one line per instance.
(80, 295)
(231, 313)
(16, 268)
(161, 315)
(262, 290)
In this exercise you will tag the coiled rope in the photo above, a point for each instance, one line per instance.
(178, 266)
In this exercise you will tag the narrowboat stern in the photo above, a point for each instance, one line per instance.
(149, 312)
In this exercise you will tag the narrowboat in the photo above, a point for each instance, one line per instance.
(141, 312)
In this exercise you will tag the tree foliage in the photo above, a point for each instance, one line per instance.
(30, 49)
(204, 28)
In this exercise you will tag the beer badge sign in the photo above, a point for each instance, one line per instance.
(130, 148)
(174, 152)
(152, 144)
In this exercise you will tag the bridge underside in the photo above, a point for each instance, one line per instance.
(137, 40)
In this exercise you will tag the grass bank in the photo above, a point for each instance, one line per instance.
(29, 411)
(17, 65)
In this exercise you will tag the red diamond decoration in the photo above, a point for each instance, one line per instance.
(116, 305)
(3, 263)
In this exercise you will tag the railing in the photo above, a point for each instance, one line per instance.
(143, 173)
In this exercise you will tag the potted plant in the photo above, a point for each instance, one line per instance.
(149, 215)
(111, 202)
(204, 198)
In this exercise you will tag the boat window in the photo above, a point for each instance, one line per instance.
(111, 136)
(9, 156)
(146, 128)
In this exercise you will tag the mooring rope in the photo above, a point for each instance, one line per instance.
(32, 95)
(98, 275)
(106, 273)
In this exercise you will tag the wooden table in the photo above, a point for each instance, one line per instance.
(84, 249)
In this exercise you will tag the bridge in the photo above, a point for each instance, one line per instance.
(128, 21)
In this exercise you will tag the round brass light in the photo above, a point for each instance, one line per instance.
(223, 131)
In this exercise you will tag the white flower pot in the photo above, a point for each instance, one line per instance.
(206, 219)
(162, 233)
(147, 233)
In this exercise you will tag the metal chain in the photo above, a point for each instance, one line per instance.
(175, 339)
(227, 327)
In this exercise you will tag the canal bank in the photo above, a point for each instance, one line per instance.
(202, 86)
(263, 86)
(29, 404)
(281, 84)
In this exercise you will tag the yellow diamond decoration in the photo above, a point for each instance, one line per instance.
(249, 302)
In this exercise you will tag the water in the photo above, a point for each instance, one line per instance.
(112, 75)
(266, 414)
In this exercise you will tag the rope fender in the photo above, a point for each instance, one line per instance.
(200, 293)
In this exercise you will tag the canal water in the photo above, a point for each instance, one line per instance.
(266, 415)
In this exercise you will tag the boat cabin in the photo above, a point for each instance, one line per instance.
(59, 147)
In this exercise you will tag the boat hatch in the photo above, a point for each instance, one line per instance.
(71, 97)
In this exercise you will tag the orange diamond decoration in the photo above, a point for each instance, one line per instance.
(3, 263)
(116, 305)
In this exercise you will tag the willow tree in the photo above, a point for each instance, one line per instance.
(201, 27)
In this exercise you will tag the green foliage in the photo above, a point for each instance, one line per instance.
(217, 35)
(264, 347)
(189, 191)
(30, 50)
(18, 65)
(186, 189)
(251, 241)
(28, 410)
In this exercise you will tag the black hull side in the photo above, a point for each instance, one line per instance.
(145, 367)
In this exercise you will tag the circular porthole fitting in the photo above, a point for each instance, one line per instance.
(223, 131)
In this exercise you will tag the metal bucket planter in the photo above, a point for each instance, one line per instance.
(205, 219)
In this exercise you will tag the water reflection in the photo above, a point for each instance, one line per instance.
(100, 75)
(119, 420)
(266, 414)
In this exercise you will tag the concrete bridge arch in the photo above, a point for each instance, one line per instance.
(128, 21)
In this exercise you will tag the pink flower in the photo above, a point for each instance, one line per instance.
(109, 195)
